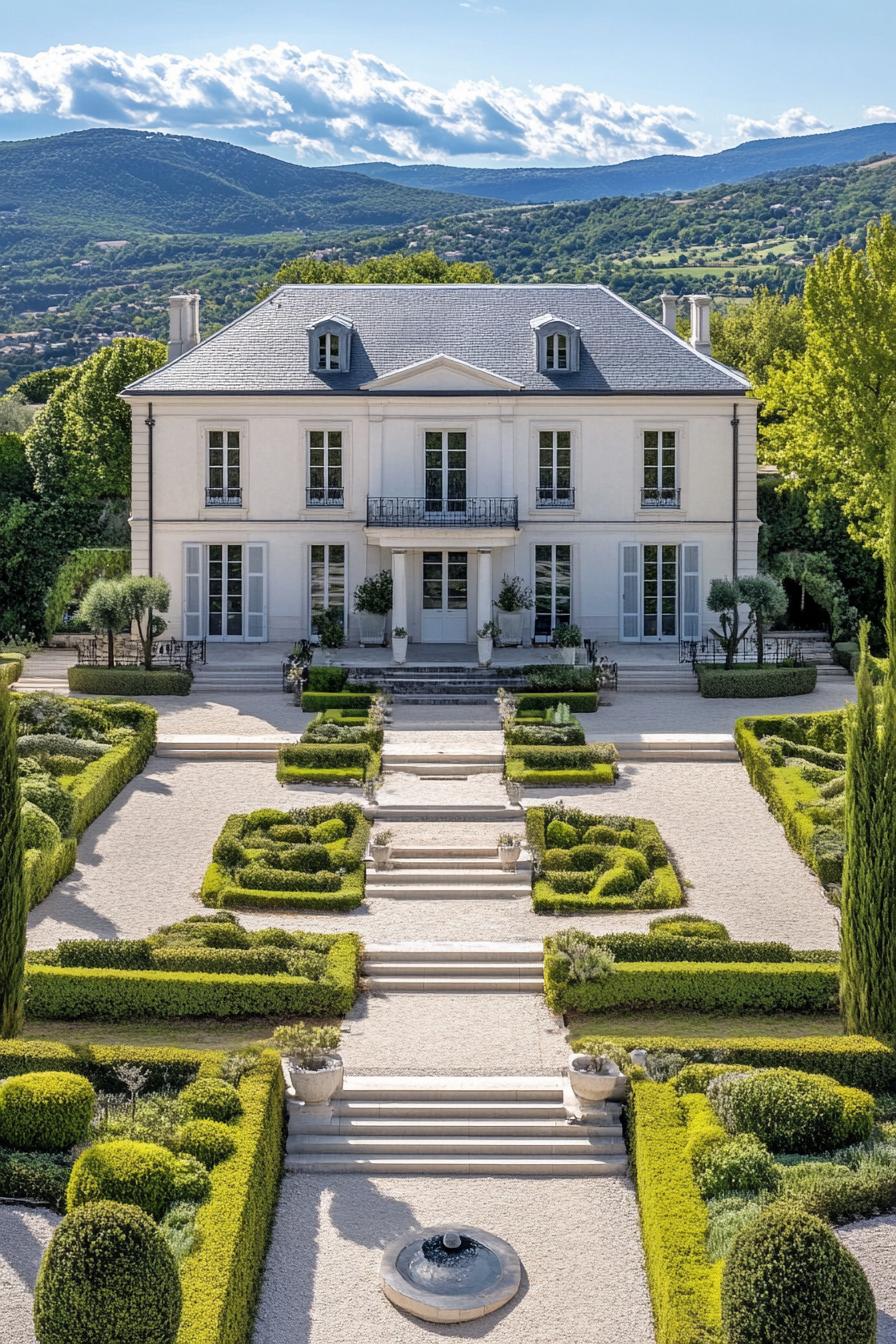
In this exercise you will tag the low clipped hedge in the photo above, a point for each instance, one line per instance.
(588, 862)
(788, 794)
(664, 947)
(684, 1286)
(748, 681)
(165, 1066)
(130, 1171)
(555, 766)
(45, 867)
(12, 665)
(327, 762)
(580, 702)
(129, 681)
(314, 701)
(703, 987)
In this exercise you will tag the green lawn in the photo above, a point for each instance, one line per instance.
(702, 1024)
(199, 1033)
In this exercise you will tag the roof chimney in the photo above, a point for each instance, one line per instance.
(670, 309)
(183, 324)
(700, 323)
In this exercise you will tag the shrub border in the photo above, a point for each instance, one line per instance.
(755, 682)
(129, 681)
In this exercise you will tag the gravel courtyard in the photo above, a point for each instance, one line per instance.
(585, 1281)
(24, 1236)
(873, 1243)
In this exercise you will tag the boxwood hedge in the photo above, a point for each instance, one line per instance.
(12, 665)
(589, 862)
(130, 681)
(553, 766)
(580, 702)
(748, 681)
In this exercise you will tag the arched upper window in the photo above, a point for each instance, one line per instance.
(556, 345)
(330, 344)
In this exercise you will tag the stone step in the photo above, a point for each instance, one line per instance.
(423, 1164)
(209, 747)
(446, 891)
(460, 984)
(455, 1088)
(472, 1112)
(446, 812)
(461, 860)
(531, 953)
(606, 1131)
(455, 875)
(460, 967)
(446, 1145)
(437, 770)
(484, 855)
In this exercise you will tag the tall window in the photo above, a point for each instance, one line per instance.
(325, 486)
(445, 471)
(328, 350)
(328, 581)
(659, 488)
(557, 351)
(223, 480)
(553, 589)
(554, 469)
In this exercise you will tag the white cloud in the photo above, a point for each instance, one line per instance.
(330, 107)
(795, 121)
(880, 113)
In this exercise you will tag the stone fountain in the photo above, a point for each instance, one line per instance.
(450, 1273)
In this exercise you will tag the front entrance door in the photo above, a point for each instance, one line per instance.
(444, 597)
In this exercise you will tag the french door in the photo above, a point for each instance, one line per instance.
(553, 589)
(445, 471)
(444, 615)
(327, 581)
(660, 597)
(225, 591)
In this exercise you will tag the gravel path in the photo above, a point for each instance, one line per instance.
(687, 712)
(488, 1034)
(321, 1283)
(238, 715)
(873, 1243)
(141, 861)
(24, 1236)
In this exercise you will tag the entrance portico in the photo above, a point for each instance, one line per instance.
(441, 594)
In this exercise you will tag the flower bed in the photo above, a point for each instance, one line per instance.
(220, 1237)
(206, 966)
(75, 756)
(588, 862)
(749, 681)
(797, 762)
(310, 858)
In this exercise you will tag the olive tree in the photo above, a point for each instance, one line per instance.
(144, 597)
(724, 599)
(766, 601)
(103, 609)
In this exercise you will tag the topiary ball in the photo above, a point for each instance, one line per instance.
(325, 832)
(145, 1174)
(787, 1277)
(107, 1275)
(791, 1111)
(560, 835)
(45, 1112)
(38, 830)
(209, 1141)
(689, 926)
(212, 1099)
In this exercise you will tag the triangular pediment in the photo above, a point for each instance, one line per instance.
(442, 373)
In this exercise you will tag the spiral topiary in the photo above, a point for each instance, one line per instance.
(212, 1099)
(107, 1275)
(133, 1172)
(209, 1141)
(787, 1277)
(45, 1112)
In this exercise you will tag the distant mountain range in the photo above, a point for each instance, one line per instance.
(643, 177)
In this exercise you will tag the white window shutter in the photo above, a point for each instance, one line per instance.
(690, 591)
(256, 591)
(630, 572)
(192, 591)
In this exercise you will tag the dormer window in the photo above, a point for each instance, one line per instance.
(330, 344)
(556, 345)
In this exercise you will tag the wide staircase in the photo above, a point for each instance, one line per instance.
(445, 684)
(47, 670)
(455, 1127)
(238, 676)
(454, 968)
(449, 872)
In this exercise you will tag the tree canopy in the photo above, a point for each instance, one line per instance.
(393, 268)
(757, 336)
(834, 406)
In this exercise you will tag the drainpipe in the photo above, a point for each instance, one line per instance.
(735, 456)
(150, 422)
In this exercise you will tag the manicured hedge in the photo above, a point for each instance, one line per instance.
(855, 1061)
(684, 1286)
(314, 701)
(550, 766)
(787, 792)
(94, 788)
(580, 702)
(165, 1066)
(663, 947)
(750, 682)
(12, 665)
(608, 863)
(327, 762)
(45, 867)
(754, 987)
(129, 681)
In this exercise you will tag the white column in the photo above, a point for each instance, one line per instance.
(483, 589)
(399, 591)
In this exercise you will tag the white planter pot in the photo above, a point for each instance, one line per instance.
(484, 649)
(399, 648)
(371, 627)
(592, 1087)
(568, 656)
(381, 854)
(511, 626)
(508, 856)
(316, 1086)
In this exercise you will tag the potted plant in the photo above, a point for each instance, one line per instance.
(373, 602)
(513, 599)
(328, 625)
(399, 644)
(315, 1069)
(381, 848)
(568, 639)
(485, 642)
(593, 1078)
(509, 847)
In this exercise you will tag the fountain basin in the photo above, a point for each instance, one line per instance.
(450, 1273)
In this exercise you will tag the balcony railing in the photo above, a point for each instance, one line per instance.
(564, 497)
(662, 497)
(324, 497)
(223, 497)
(392, 511)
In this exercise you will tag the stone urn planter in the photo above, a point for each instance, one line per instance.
(568, 656)
(399, 644)
(371, 628)
(510, 624)
(316, 1086)
(509, 848)
(484, 649)
(592, 1077)
(381, 849)
(310, 1055)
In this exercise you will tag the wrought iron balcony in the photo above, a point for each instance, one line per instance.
(324, 497)
(661, 497)
(401, 511)
(223, 497)
(563, 497)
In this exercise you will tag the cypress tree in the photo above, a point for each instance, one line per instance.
(13, 907)
(868, 907)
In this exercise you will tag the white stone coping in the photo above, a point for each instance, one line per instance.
(439, 1307)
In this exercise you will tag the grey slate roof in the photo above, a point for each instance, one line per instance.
(266, 350)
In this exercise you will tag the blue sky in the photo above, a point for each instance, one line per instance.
(463, 81)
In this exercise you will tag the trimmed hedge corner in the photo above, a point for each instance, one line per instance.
(580, 702)
(12, 665)
(129, 681)
(749, 682)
